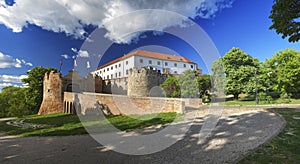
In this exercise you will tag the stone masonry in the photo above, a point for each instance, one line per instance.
(52, 94)
(140, 82)
(55, 86)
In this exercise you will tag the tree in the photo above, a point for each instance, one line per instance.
(34, 92)
(188, 84)
(239, 69)
(12, 102)
(204, 83)
(285, 16)
(284, 71)
(171, 87)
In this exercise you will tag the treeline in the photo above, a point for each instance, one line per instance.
(278, 76)
(17, 101)
(238, 72)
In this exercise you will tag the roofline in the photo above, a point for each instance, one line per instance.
(134, 53)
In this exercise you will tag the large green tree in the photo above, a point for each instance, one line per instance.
(284, 71)
(34, 92)
(12, 102)
(285, 16)
(240, 69)
(171, 87)
(189, 84)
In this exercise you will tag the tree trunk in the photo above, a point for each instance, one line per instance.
(236, 96)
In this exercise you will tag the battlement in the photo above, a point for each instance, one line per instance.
(144, 71)
(51, 75)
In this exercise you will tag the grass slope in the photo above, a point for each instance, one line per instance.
(63, 124)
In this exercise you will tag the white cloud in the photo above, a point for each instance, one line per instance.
(65, 56)
(83, 54)
(88, 65)
(7, 61)
(70, 16)
(74, 50)
(12, 78)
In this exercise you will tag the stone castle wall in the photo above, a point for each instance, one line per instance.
(55, 86)
(85, 103)
(52, 94)
(115, 86)
(140, 82)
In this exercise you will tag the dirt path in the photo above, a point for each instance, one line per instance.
(233, 137)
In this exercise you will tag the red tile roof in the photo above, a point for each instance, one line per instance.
(149, 54)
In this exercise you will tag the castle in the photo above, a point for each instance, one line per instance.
(139, 83)
(127, 75)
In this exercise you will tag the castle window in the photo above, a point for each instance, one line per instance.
(107, 69)
(100, 72)
(192, 66)
(111, 67)
(126, 71)
(48, 90)
(175, 64)
(175, 72)
(126, 62)
(119, 64)
(166, 63)
(150, 61)
(111, 76)
(116, 74)
(141, 60)
(104, 70)
(158, 62)
(184, 65)
(119, 74)
(107, 77)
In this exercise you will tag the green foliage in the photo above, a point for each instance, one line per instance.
(285, 16)
(284, 71)
(239, 69)
(262, 96)
(189, 84)
(171, 87)
(34, 92)
(204, 84)
(12, 102)
(285, 97)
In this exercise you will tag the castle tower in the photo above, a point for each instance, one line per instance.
(140, 82)
(52, 94)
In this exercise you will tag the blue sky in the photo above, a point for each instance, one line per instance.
(30, 38)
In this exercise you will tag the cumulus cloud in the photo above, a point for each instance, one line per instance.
(7, 61)
(71, 16)
(83, 54)
(12, 78)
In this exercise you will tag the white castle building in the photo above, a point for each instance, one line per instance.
(163, 63)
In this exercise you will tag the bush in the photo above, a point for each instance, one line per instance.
(262, 96)
(285, 97)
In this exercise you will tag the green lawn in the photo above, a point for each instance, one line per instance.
(250, 100)
(285, 148)
(63, 124)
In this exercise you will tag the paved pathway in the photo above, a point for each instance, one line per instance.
(233, 137)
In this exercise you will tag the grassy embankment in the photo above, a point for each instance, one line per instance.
(63, 124)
